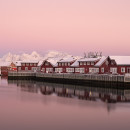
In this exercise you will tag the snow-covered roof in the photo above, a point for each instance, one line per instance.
(17, 63)
(75, 64)
(53, 61)
(29, 61)
(40, 63)
(5, 63)
(101, 61)
(70, 59)
(89, 59)
(121, 60)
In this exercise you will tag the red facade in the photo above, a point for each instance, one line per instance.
(47, 67)
(27, 66)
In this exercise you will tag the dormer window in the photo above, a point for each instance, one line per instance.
(27, 64)
(68, 64)
(81, 63)
(46, 63)
(92, 63)
(88, 63)
(84, 63)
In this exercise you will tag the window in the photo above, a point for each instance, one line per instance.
(81, 70)
(65, 64)
(46, 64)
(23, 64)
(59, 64)
(49, 70)
(58, 70)
(68, 64)
(43, 69)
(88, 63)
(27, 64)
(93, 70)
(123, 69)
(77, 69)
(92, 63)
(26, 68)
(102, 70)
(35, 64)
(31, 64)
(69, 70)
(113, 70)
(84, 63)
(62, 64)
(81, 63)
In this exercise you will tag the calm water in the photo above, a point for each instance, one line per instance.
(34, 105)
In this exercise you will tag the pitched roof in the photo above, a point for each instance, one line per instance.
(101, 61)
(75, 64)
(121, 60)
(89, 59)
(70, 59)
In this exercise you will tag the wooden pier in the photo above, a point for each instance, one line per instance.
(70, 77)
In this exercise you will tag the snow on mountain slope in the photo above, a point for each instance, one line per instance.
(34, 56)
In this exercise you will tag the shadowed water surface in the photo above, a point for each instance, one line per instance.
(35, 105)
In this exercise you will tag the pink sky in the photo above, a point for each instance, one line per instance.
(73, 26)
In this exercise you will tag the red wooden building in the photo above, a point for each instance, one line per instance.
(120, 64)
(48, 65)
(27, 66)
(64, 65)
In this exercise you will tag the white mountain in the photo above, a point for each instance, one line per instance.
(34, 56)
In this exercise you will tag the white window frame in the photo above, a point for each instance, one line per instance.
(92, 63)
(88, 63)
(26, 68)
(102, 69)
(113, 70)
(122, 69)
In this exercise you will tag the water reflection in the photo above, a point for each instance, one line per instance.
(88, 92)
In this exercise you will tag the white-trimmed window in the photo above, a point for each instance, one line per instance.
(102, 70)
(84, 63)
(65, 64)
(77, 69)
(35, 64)
(26, 68)
(58, 70)
(88, 63)
(23, 64)
(123, 69)
(93, 70)
(81, 63)
(46, 64)
(69, 70)
(31, 64)
(34, 68)
(80, 70)
(27, 64)
(48, 70)
(43, 69)
(113, 70)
